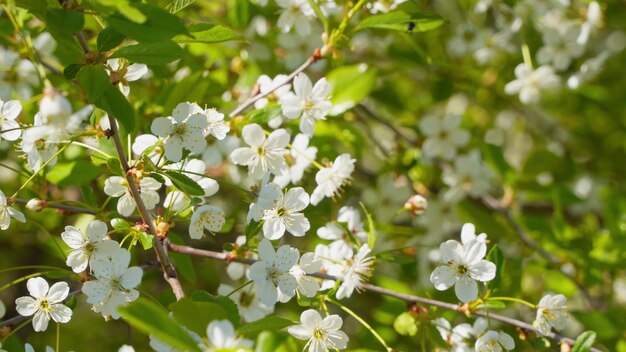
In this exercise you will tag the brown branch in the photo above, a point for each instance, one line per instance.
(383, 291)
(316, 56)
(169, 272)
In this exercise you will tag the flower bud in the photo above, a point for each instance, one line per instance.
(416, 204)
(36, 204)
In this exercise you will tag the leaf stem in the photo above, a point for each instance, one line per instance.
(512, 299)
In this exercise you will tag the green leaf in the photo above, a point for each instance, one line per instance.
(252, 228)
(116, 104)
(401, 21)
(95, 81)
(145, 239)
(70, 71)
(405, 324)
(159, 53)
(108, 39)
(264, 114)
(495, 256)
(63, 21)
(232, 312)
(584, 342)
(184, 183)
(119, 223)
(159, 24)
(114, 165)
(152, 319)
(271, 323)
(208, 33)
(31, 5)
(350, 85)
(174, 6)
(371, 227)
(73, 173)
(196, 316)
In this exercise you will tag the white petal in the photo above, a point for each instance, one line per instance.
(58, 292)
(60, 313)
(163, 126)
(26, 306)
(443, 277)
(253, 135)
(466, 289)
(96, 230)
(37, 287)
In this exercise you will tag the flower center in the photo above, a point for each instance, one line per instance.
(319, 334)
(180, 129)
(461, 269)
(44, 306)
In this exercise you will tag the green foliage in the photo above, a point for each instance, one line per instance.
(150, 318)
(207, 33)
(350, 85)
(183, 182)
(72, 173)
(159, 24)
(159, 53)
(584, 342)
(405, 324)
(401, 21)
(109, 39)
(271, 323)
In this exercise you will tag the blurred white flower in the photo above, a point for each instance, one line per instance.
(560, 47)
(444, 136)
(222, 336)
(7, 212)
(295, 13)
(45, 303)
(322, 334)
(469, 176)
(529, 83)
(9, 128)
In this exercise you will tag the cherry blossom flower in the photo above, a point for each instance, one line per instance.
(299, 158)
(114, 284)
(45, 303)
(295, 12)
(530, 82)
(7, 212)
(462, 336)
(560, 47)
(222, 336)
(215, 124)
(551, 313)
(208, 217)
(183, 130)
(247, 300)
(117, 186)
(307, 285)
(494, 341)
(358, 270)
(267, 196)
(322, 334)
(88, 245)
(443, 136)
(463, 265)
(310, 103)
(120, 73)
(264, 154)
(287, 215)
(9, 128)
(330, 179)
(272, 272)
(468, 176)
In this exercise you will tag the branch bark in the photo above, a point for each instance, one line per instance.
(169, 272)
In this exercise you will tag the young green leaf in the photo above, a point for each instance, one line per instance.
(208, 33)
(184, 183)
(271, 323)
(108, 39)
(584, 342)
(159, 53)
(159, 24)
(401, 21)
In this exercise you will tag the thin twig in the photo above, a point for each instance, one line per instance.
(310, 61)
(383, 291)
(169, 272)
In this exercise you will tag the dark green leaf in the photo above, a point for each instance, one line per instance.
(584, 342)
(115, 166)
(152, 319)
(95, 81)
(270, 323)
(116, 104)
(196, 315)
(159, 53)
(184, 183)
(401, 21)
(70, 71)
(63, 21)
(232, 312)
(108, 39)
(159, 25)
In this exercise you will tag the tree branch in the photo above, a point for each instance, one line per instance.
(169, 272)
(316, 56)
(383, 291)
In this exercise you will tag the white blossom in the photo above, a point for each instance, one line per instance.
(183, 130)
(120, 73)
(469, 176)
(494, 341)
(247, 300)
(7, 212)
(295, 13)
(117, 186)
(264, 154)
(551, 313)
(310, 102)
(444, 136)
(86, 246)
(114, 284)
(560, 47)
(529, 83)
(307, 285)
(287, 215)
(358, 270)
(215, 124)
(267, 196)
(222, 336)
(208, 217)
(299, 158)
(272, 272)
(322, 334)
(45, 303)
(330, 179)
(9, 128)
(463, 265)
